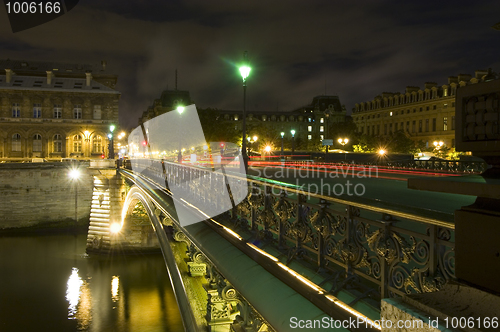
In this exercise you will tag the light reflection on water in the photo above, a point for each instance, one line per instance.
(48, 284)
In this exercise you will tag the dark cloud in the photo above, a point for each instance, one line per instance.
(298, 49)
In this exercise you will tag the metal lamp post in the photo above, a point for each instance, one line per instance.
(111, 144)
(244, 71)
(343, 141)
(180, 109)
(282, 138)
(293, 141)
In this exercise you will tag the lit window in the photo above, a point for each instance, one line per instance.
(16, 110)
(445, 123)
(57, 111)
(321, 120)
(321, 129)
(37, 143)
(16, 143)
(77, 112)
(390, 113)
(37, 111)
(321, 137)
(309, 137)
(236, 118)
(77, 143)
(97, 144)
(309, 128)
(57, 143)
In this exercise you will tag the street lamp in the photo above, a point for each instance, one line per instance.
(251, 140)
(343, 141)
(111, 146)
(180, 109)
(74, 175)
(439, 144)
(244, 71)
(293, 141)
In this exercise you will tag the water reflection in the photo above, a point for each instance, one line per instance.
(73, 292)
(115, 284)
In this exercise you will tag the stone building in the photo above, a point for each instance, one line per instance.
(426, 114)
(56, 110)
(168, 101)
(305, 120)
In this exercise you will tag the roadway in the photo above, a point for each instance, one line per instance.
(376, 186)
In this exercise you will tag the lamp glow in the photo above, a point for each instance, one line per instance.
(74, 174)
(245, 72)
(180, 109)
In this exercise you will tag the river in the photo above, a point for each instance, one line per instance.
(48, 283)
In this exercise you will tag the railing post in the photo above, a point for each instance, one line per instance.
(300, 217)
(349, 226)
(433, 259)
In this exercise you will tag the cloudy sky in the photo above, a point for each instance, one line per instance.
(297, 49)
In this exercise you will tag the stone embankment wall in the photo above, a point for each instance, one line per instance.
(43, 193)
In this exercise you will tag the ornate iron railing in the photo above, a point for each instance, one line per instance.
(376, 251)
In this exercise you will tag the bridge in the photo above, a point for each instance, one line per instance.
(280, 254)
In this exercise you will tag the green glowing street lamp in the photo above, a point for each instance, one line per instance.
(293, 140)
(282, 137)
(245, 72)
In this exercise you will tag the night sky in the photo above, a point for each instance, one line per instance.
(297, 49)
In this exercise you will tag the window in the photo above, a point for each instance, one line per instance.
(390, 113)
(77, 143)
(309, 120)
(322, 136)
(453, 122)
(434, 124)
(57, 143)
(309, 128)
(445, 105)
(321, 128)
(321, 120)
(445, 123)
(408, 126)
(434, 107)
(390, 128)
(309, 137)
(16, 143)
(420, 110)
(97, 112)
(445, 92)
(378, 129)
(37, 111)
(368, 130)
(37, 143)
(16, 110)
(385, 128)
(427, 108)
(419, 126)
(402, 126)
(97, 144)
(395, 127)
(77, 112)
(426, 125)
(413, 125)
(57, 111)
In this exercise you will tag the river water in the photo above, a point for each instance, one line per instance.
(48, 283)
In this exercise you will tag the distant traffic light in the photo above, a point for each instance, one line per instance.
(144, 143)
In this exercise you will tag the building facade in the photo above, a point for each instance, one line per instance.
(307, 121)
(56, 110)
(426, 114)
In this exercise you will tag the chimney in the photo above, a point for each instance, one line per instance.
(452, 79)
(103, 64)
(88, 75)
(49, 77)
(464, 77)
(430, 85)
(8, 75)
